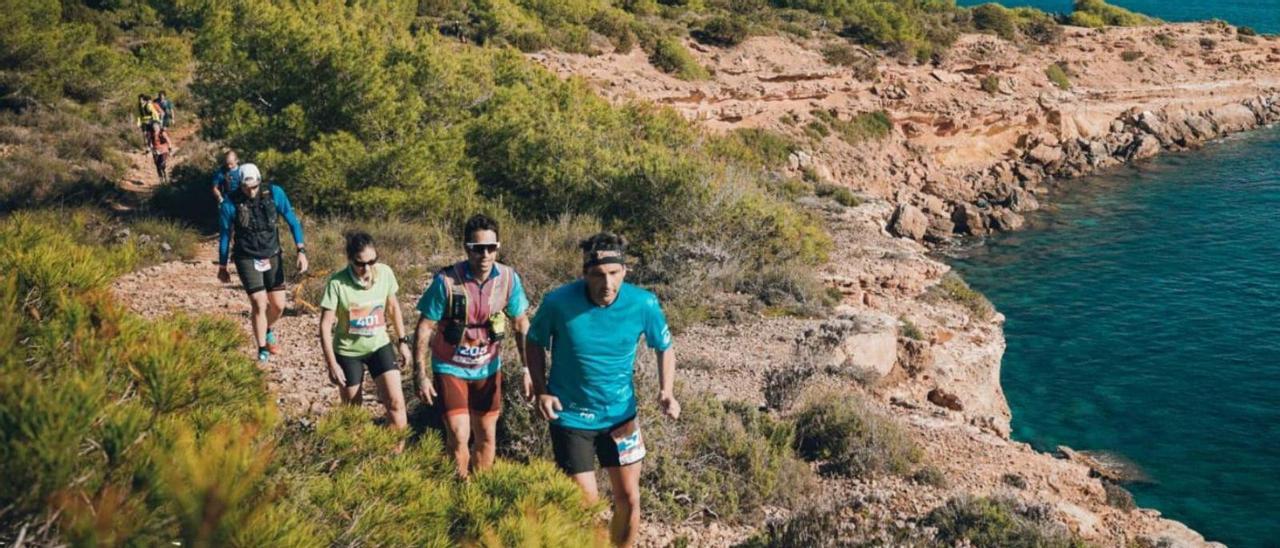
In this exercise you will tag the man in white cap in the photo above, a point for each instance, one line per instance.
(247, 226)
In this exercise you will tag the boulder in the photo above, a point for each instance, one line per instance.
(914, 357)
(1006, 220)
(869, 353)
(1148, 121)
(1145, 146)
(968, 219)
(1022, 201)
(909, 222)
(1232, 118)
(940, 229)
(1044, 154)
(1200, 127)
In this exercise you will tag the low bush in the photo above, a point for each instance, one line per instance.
(954, 289)
(1058, 76)
(671, 57)
(850, 438)
(910, 330)
(982, 521)
(841, 194)
(783, 384)
(864, 126)
(1017, 481)
(996, 19)
(1164, 40)
(721, 30)
(722, 461)
(1130, 55)
(1098, 13)
(862, 64)
(1246, 31)
(930, 475)
(1208, 44)
(1038, 26)
(991, 84)
(754, 147)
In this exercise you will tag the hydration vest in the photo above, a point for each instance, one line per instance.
(255, 230)
(474, 323)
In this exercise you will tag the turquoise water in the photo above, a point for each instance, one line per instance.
(1143, 312)
(1262, 15)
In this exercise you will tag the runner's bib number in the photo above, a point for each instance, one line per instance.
(365, 320)
(630, 443)
(262, 265)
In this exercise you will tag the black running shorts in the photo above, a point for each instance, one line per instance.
(379, 361)
(576, 451)
(261, 274)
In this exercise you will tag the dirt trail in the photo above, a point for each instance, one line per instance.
(295, 376)
(140, 179)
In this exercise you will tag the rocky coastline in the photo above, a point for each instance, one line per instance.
(977, 140)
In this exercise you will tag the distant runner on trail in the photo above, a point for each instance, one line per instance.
(464, 320)
(166, 110)
(227, 179)
(248, 234)
(359, 300)
(161, 147)
(592, 327)
(149, 118)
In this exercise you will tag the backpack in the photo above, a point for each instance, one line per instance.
(455, 309)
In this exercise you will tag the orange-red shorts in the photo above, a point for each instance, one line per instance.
(479, 398)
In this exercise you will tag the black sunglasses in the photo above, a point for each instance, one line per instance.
(368, 263)
(482, 248)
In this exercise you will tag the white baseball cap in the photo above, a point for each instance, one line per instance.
(250, 171)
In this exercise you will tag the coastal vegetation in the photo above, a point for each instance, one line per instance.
(1098, 13)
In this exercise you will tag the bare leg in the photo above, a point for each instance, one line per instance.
(351, 395)
(587, 482)
(258, 317)
(625, 481)
(392, 397)
(485, 430)
(458, 440)
(275, 308)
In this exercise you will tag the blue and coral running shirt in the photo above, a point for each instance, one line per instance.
(593, 351)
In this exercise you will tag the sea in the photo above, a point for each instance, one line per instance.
(1143, 319)
(1261, 15)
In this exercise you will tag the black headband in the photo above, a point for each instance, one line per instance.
(604, 256)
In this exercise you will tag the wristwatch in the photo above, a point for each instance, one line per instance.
(406, 340)
(302, 250)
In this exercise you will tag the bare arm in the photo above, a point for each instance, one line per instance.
(397, 321)
(426, 392)
(547, 404)
(328, 319)
(667, 382)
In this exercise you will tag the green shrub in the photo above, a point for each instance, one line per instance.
(1038, 26)
(1098, 13)
(850, 438)
(1164, 40)
(930, 475)
(841, 194)
(996, 19)
(862, 65)
(1001, 522)
(616, 25)
(783, 384)
(1130, 55)
(754, 147)
(954, 289)
(910, 330)
(818, 526)
(864, 126)
(671, 57)
(916, 29)
(1246, 31)
(723, 31)
(991, 84)
(1016, 481)
(1058, 75)
(721, 460)
(1208, 44)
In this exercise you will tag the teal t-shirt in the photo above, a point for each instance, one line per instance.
(432, 305)
(593, 351)
(362, 316)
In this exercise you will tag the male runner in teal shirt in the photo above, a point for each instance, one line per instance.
(592, 327)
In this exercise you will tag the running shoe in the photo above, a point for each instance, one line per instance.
(273, 342)
(263, 356)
